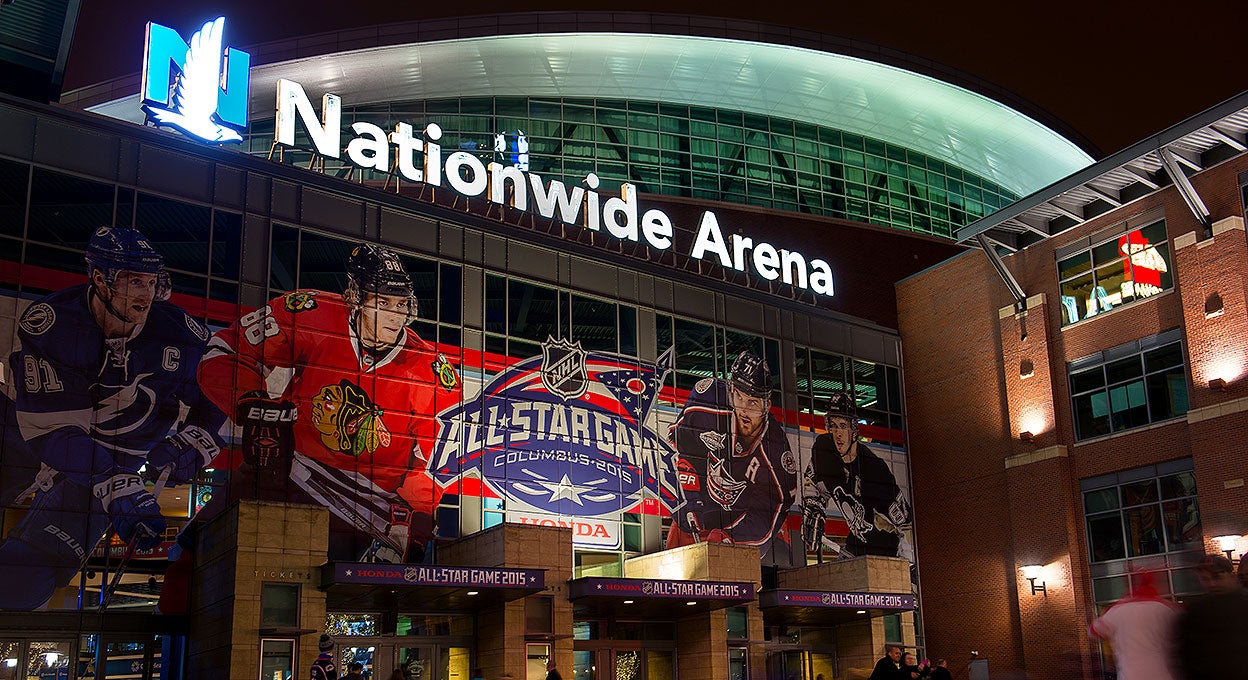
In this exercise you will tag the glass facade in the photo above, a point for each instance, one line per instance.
(1130, 265)
(1129, 386)
(679, 150)
(485, 321)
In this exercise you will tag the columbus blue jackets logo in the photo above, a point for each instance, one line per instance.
(586, 456)
(563, 368)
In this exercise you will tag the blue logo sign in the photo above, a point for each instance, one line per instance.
(564, 433)
(197, 88)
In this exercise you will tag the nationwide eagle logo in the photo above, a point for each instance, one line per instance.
(348, 421)
(589, 456)
(563, 368)
(207, 99)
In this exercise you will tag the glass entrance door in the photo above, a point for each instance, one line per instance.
(417, 662)
(623, 662)
(790, 664)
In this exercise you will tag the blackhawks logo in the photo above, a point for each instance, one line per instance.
(300, 300)
(349, 422)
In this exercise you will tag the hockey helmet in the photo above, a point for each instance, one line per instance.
(374, 269)
(751, 375)
(116, 249)
(841, 405)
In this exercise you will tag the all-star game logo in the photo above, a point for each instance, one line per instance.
(564, 435)
(563, 368)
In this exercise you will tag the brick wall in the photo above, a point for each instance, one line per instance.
(986, 502)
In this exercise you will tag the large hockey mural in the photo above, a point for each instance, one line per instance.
(122, 400)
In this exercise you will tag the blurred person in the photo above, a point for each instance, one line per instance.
(552, 673)
(1140, 629)
(911, 665)
(941, 670)
(323, 668)
(889, 667)
(355, 671)
(1213, 627)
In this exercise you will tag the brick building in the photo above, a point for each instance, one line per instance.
(1077, 399)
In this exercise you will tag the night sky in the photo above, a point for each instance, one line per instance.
(1115, 71)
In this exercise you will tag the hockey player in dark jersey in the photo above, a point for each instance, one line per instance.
(108, 389)
(849, 477)
(737, 469)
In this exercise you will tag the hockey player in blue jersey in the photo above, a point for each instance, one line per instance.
(736, 466)
(107, 386)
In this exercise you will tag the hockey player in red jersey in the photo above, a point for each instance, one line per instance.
(336, 399)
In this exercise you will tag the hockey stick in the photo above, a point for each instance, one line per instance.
(133, 545)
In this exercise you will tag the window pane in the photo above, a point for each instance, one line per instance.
(532, 311)
(1167, 394)
(1076, 264)
(178, 230)
(738, 623)
(1110, 589)
(1105, 538)
(1091, 415)
(1178, 486)
(1076, 294)
(66, 210)
(1144, 531)
(283, 258)
(13, 178)
(1182, 524)
(226, 243)
(1087, 380)
(495, 304)
(1100, 500)
(1138, 493)
(1109, 291)
(594, 323)
(1123, 369)
(695, 347)
(279, 605)
(1128, 405)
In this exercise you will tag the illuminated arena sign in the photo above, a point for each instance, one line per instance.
(562, 437)
(197, 88)
(420, 158)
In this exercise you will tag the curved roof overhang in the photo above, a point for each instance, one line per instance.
(898, 106)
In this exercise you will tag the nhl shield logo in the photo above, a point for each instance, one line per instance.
(563, 368)
(647, 588)
(410, 574)
(826, 598)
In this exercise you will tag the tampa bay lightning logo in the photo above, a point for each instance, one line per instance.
(589, 456)
(122, 409)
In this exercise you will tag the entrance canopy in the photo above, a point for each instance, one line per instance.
(654, 598)
(829, 608)
(365, 585)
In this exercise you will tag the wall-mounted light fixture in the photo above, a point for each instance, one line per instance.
(1031, 572)
(1026, 435)
(1227, 544)
(1217, 385)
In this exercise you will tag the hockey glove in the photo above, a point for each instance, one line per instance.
(393, 548)
(899, 511)
(853, 511)
(813, 523)
(184, 453)
(134, 512)
(268, 429)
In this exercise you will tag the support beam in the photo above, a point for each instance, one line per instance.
(1066, 211)
(1141, 176)
(1010, 282)
(1230, 139)
(1042, 231)
(1110, 197)
(1186, 158)
(1186, 190)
